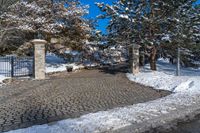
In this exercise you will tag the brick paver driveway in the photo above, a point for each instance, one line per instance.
(24, 104)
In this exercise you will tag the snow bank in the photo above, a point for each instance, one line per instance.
(192, 85)
(164, 78)
(2, 78)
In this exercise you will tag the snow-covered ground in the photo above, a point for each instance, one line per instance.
(186, 92)
(56, 64)
(2, 78)
(164, 78)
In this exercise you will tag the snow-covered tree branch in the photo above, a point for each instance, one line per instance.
(42, 15)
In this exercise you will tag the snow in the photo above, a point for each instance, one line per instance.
(164, 78)
(2, 78)
(74, 53)
(58, 64)
(124, 16)
(62, 67)
(186, 92)
(166, 38)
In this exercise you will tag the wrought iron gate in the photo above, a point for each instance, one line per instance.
(12, 66)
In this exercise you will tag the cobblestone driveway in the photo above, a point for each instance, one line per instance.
(24, 104)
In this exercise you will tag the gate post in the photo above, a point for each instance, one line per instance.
(39, 58)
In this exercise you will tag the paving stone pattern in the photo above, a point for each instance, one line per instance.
(23, 104)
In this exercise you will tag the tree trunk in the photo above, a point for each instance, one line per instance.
(153, 59)
(134, 59)
(178, 62)
(142, 58)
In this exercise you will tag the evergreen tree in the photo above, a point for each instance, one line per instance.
(151, 23)
(182, 29)
(139, 22)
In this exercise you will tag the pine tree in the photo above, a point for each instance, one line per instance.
(152, 23)
(182, 29)
(139, 22)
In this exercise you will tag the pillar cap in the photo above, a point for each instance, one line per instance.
(38, 41)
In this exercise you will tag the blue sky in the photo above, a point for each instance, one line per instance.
(94, 11)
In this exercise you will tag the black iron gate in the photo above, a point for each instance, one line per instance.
(12, 66)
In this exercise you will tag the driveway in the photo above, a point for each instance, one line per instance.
(68, 95)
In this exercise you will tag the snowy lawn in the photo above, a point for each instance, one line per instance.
(186, 90)
(57, 64)
(164, 78)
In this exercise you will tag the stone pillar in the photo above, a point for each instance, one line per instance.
(39, 58)
(135, 60)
